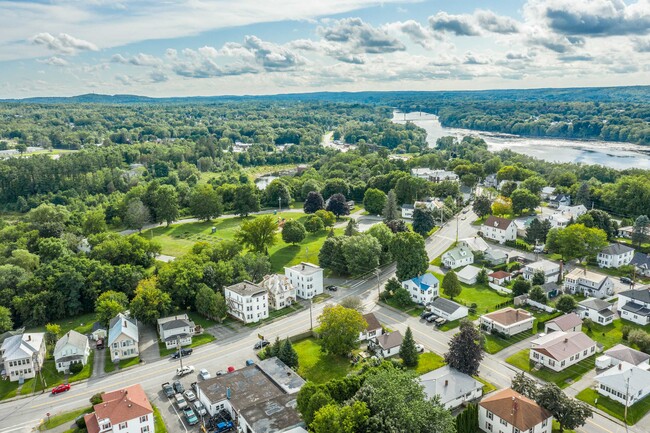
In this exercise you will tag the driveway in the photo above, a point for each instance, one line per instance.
(148, 344)
(98, 363)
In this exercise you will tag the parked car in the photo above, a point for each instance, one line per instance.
(332, 288)
(189, 395)
(199, 408)
(249, 362)
(178, 387)
(180, 401)
(626, 280)
(426, 314)
(205, 374)
(419, 348)
(261, 344)
(432, 318)
(190, 416)
(221, 372)
(61, 388)
(185, 370)
(99, 344)
(231, 369)
(184, 352)
(224, 426)
(440, 321)
(168, 390)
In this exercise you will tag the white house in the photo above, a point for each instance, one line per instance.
(280, 290)
(306, 278)
(448, 310)
(475, 244)
(625, 383)
(559, 350)
(495, 257)
(72, 348)
(558, 200)
(423, 289)
(457, 257)
(508, 321)
(572, 211)
(499, 229)
(507, 411)
(373, 328)
(500, 277)
(386, 345)
(452, 387)
(469, 274)
(641, 263)
(570, 322)
(551, 271)
(98, 332)
(597, 310)
(123, 411)
(588, 283)
(176, 329)
(558, 221)
(546, 192)
(490, 180)
(123, 337)
(615, 255)
(434, 175)
(407, 211)
(22, 355)
(247, 302)
(634, 305)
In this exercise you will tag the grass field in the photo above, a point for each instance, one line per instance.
(8, 389)
(318, 366)
(487, 386)
(109, 366)
(495, 344)
(634, 413)
(428, 362)
(158, 423)
(63, 418)
(197, 340)
(612, 334)
(560, 378)
(82, 324)
(484, 297)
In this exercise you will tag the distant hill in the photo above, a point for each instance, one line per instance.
(633, 94)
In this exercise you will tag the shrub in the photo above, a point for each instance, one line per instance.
(80, 423)
(625, 330)
(76, 368)
(96, 399)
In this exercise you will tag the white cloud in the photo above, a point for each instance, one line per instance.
(54, 61)
(63, 43)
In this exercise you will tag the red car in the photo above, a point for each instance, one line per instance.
(61, 388)
(231, 369)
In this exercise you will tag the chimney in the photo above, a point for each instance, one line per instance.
(125, 324)
(446, 382)
(228, 393)
(620, 366)
(303, 267)
(29, 337)
(566, 340)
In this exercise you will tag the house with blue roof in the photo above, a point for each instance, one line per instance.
(423, 288)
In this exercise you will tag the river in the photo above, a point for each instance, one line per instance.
(610, 154)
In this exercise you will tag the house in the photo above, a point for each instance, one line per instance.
(558, 221)
(435, 176)
(123, 337)
(373, 328)
(572, 211)
(407, 211)
(469, 274)
(621, 353)
(551, 270)
(615, 255)
(22, 355)
(260, 397)
(507, 411)
(570, 322)
(500, 277)
(641, 263)
(98, 332)
(559, 350)
(175, 330)
(281, 292)
(588, 283)
(634, 305)
(495, 257)
(123, 411)
(247, 302)
(448, 310)
(475, 244)
(558, 200)
(499, 229)
(546, 192)
(551, 289)
(508, 321)
(432, 204)
(452, 387)
(523, 224)
(423, 289)
(72, 348)
(490, 180)
(625, 232)
(386, 345)
(597, 310)
(457, 257)
(306, 278)
(625, 383)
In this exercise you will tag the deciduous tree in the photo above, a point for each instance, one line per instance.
(258, 234)
(482, 206)
(313, 202)
(246, 200)
(361, 253)
(374, 201)
(566, 303)
(314, 224)
(109, 304)
(293, 232)
(205, 202)
(522, 199)
(409, 251)
(327, 217)
(450, 284)
(340, 328)
(6, 324)
(423, 221)
(150, 303)
(137, 215)
(465, 349)
(338, 205)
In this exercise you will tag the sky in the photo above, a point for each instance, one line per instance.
(225, 47)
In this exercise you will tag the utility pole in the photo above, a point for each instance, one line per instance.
(627, 398)
(311, 319)
(457, 216)
(279, 204)
(378, 290)
(180, 350)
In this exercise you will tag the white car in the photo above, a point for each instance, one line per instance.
(419, 348)
(189, 395)
(200, 409)
(183, 371)
(205, 374)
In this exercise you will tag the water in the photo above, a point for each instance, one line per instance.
(264, 181)
(610, 154)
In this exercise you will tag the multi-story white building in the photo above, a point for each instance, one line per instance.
(550, 270)
(123, 338)
(175, 330)
(507, 411)
(123, 411)
(73, 347)
(281, 291)
(423, 289)
(22, 355)
(499, 229)
(615, 255)
(588, 283)
(306, 278)
(634, 305)
(247, 302)
(559, 350)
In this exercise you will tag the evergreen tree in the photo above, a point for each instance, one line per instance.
(423, 221)
(288, 354)
(390, 212)
(450, 285)
(465, 349)
(407, 350)
(467, 420)
(274, 349)
(538, 278)
(352, 228)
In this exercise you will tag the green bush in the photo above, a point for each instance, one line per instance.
(96, 399)
(81, 423)
(76, 368)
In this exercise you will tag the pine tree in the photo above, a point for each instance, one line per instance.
(407, 350)
(275, 348)
(352, 228)
(390, 208)
(288, 354)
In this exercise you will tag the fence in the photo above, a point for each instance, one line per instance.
(500, 289)
(540, 306)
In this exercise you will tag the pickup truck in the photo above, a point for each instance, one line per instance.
(180, 401)
(168, 390)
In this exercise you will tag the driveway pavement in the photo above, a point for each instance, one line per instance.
(98, 362)
(149, 344)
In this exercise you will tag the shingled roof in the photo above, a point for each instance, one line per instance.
(520, 411)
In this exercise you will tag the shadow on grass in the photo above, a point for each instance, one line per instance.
(284, 256)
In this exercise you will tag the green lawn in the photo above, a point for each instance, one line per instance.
(495, 344)
(129, 362)
(8, 389)
(612, 334)
(86, 371)
(412, 310)
(109, 366)
(560, 378)
(158, 423)
(317, 366)
(634, 413)
(51, 376)
(484, 297)
(200, 320)
(63, 418)
(429, 361)
(487, 386)
(197, 340)
(82, 324)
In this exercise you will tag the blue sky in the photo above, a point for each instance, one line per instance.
(214, 47)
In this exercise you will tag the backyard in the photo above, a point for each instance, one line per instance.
(484, 297)
(634, 413)
(612, 334)
(317, 366)
(82, 324)
(562, 378)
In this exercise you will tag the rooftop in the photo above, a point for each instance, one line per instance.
(469, 272)
(173, 322)
(636, 308)
(509, 316)
(499, 223)
(448, 383)
(562, 345)
(21, 346)
(120, 406)
(616, 249)
(122, 324)
(372, 321)
(499, 275)
(595, 304)
(642, 295)
(283, 376)
(516, 409)
(627, 354)
(246, 288)
(544, 265)
(273, 415)
(446, 305)
(390, 340)
(566, 321)
(305, 268)
(458, 252)
(625, 377)
(425, 281)
(73, 338)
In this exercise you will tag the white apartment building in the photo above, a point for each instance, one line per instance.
(499, 229)
(550, 270)
(247, 302)
(176, 329)
(588, 283)
(615, 255)
(423, 289)
(22, 355)
(306, 278)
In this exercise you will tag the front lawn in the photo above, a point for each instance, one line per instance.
(124, 363)
(8, 389)
(561, 378)
(484, 297)
(429, 361)
(63, 418)
(87, 371)
(317, 366)
(495, 344)
(634, 413)
(109, 366)
(197, 340)
(50, 375)
(612, 334)
(414, 309)
(487, 386)
(203, 322)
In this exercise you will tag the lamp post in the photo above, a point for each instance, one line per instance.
(279, 204)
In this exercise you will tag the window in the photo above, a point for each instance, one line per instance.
(123, 426)
(144, 418)
(504, 422)
(488, 426)
(144, 429)
(490, 415)
(516, 430)
(545, 423)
